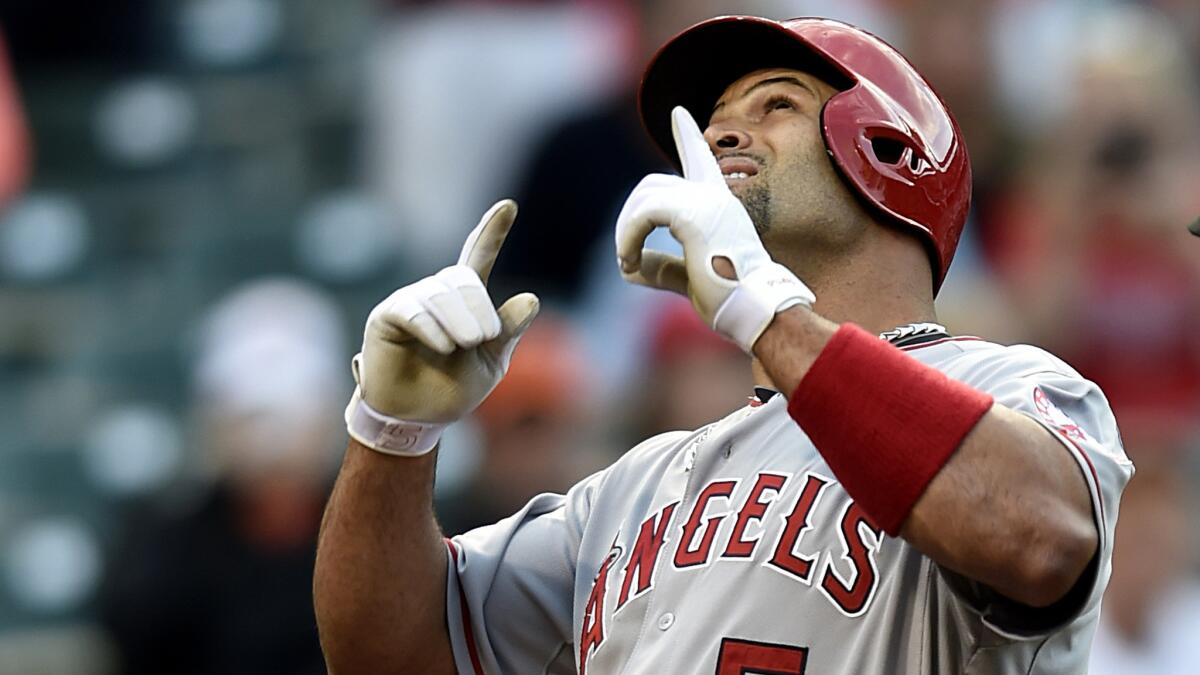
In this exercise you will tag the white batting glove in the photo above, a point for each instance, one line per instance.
(433, 350)
(704, 215)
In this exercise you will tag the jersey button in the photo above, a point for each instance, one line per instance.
(666, 621)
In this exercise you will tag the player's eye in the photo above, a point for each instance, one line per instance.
(778, 102)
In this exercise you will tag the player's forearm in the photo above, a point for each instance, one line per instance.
(1008, 506)
(1009, 509)
(379, 582)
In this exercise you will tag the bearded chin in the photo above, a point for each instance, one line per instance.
(757, 201)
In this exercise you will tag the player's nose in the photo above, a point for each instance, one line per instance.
(724, 136)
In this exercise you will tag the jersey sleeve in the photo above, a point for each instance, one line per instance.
(1075, 412)
(510, 585)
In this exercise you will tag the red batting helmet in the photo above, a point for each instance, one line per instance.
(889, 134)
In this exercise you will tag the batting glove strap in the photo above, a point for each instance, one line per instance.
(766, 291)
(389, 435)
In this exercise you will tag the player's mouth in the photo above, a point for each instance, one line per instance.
(738, 168)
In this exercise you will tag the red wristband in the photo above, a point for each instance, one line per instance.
(884, 422)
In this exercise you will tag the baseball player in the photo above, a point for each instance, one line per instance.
(894, 500)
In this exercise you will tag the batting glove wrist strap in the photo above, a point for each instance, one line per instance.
(759, 296)
(387, 434)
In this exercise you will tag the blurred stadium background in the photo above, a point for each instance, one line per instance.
(200, 200)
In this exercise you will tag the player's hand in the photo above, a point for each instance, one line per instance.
(704, 215)
(433, 350)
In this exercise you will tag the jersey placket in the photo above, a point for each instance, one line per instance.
(701, 462)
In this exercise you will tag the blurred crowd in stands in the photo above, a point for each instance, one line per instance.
(200, 201)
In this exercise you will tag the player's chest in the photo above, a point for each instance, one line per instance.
(743, 518)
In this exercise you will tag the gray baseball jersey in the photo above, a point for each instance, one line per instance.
(733, 550)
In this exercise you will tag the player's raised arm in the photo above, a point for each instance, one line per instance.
(431, 352)
(978, 488)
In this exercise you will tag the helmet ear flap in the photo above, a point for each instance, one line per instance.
(890, 150)
(895, 150)
(877, 154)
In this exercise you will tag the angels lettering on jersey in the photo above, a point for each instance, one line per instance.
(773, 517)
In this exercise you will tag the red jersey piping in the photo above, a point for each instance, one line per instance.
(466, 616)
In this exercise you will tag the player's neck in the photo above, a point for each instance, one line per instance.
(877, 277)
(882, 284)
(875, 308)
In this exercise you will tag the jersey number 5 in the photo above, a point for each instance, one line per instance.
(743, 657)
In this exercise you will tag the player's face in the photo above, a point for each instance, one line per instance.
(766, 133)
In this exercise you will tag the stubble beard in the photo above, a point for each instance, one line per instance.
(757, 201)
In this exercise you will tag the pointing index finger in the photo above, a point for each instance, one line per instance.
(483, 244)
(694, 154)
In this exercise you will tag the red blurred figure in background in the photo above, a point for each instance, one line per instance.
(1092, 244)
(14, 140)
